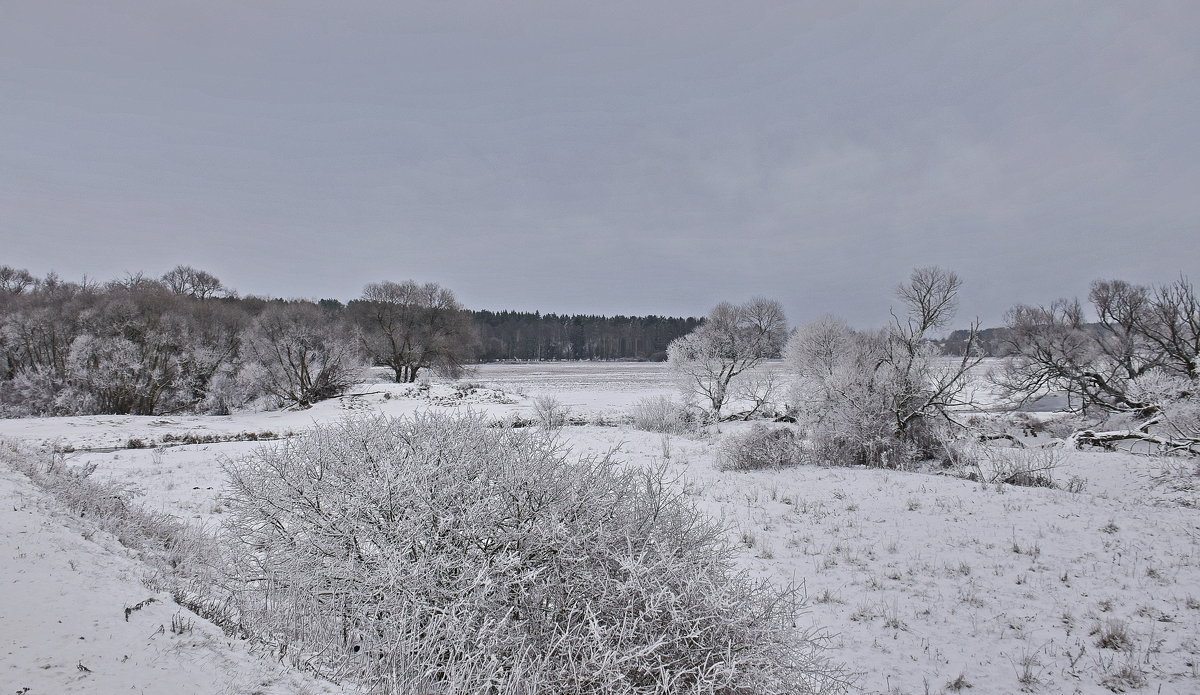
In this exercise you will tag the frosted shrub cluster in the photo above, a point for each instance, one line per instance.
(761, 447)
(882, 398)
(662, 414)
(549, 412)
(438, 554)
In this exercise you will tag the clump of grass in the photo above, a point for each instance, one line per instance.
(1112, 634)
(1127, 677)
(129, 610)
(1029, 670)
(214, 438)
(181, 624)
(827, 596)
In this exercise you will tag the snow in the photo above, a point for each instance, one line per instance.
(64, 626)
(918, 578)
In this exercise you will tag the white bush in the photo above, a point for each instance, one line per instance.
(438, 554)
(761, 447)
(661, 414)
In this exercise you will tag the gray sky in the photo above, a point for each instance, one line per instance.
(606, 157)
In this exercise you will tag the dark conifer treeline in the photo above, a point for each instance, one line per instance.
(513, 335)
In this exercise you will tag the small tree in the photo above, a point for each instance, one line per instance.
(304, 357)
(879, 397)
(411, 327)
(732, 339)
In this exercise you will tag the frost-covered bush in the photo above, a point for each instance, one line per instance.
(438, 554)
(549, 412)
(761, 447)
(34, 392)
(1178, 418)
(662, 414)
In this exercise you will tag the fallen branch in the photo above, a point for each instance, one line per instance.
(985, 437)
(1108, 440)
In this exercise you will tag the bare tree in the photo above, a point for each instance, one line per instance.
(1137, 360)
(1138, 332)
(1170, 325)
(14, 281)
(928, 386)
(931, 298)
(411, 327)
(732, 339)
(188, 281)
(304, 356)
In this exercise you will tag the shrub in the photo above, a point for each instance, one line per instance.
(549, 412)
(438, 554)
(1023, 467)
(761, 447)
(662, 414)
(828, 447)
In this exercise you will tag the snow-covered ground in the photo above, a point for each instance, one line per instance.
(925, 583)
(75, 617)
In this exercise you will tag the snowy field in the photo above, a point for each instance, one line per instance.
(924, 583)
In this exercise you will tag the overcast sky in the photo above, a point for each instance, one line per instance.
(606, 157)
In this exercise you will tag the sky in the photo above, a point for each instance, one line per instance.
(606, 157)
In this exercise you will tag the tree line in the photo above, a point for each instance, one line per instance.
(185, 342)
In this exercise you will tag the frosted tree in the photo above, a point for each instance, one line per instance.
(411, 327)
(1138, 332)
(1138, 360)
(879, 397)
(732, 339)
